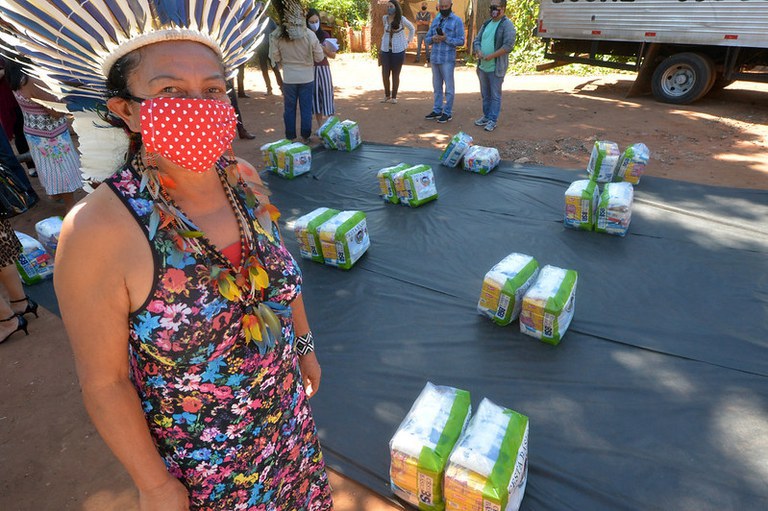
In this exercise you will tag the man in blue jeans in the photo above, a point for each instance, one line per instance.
(445, 34)
(494, 41)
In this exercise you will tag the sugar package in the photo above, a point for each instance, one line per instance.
(346, 135)
(420, 448)
(488, 468)
(549, 304)
(305, 229)
(268, 152)
(293, 160)
(581, 200)
(326, 132)
(387, 183)
(631, 165)
(504, 286)
(605, 156)
(481, 159)
(344, 239)
(614, 212)
(48, 231)
(415, 185)
(455, 149)
(34, 263)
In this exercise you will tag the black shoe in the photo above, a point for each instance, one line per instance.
(432, 115)
(243, 133)
(21, 325)
(243, 95)
(445, 118)
(31, 306)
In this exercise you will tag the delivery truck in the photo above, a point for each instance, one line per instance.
(681, 49)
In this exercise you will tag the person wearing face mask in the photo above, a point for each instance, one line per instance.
(322, 99)
(423, 20)
(392, 49)
(444, 35)
(492, 45)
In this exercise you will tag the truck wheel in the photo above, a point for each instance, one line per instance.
(683, 78)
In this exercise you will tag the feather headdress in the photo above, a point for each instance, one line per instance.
(74, 43)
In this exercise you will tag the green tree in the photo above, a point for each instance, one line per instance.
(354, 12)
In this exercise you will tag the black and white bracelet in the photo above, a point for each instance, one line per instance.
(305, 344)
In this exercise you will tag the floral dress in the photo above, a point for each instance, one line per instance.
(232, 423)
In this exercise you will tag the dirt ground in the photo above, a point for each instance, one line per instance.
(50, 454)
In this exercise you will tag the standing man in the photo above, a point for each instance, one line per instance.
(445, 34)
(494, 41)
(423, 20)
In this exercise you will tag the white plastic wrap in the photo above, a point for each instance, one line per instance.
(549, 305)
(602, 163)
(614, 211)
(504, 286)
(481, 159)
(455, 150)
(48, 231)
(631, 166)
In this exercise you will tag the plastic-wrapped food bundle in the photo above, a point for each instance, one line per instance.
(455, 149)
(344, 239)
(305, 229)
(423, 442)
(293, 160)
(415, 185)
(481, 159)
(549, 304)
(326, 132)
(605, 156)
(268, 151)
(581, 200)
(387, 183)
(488, 469)
(504, 286)
(631, 166)
(614, 212)
(34, 263)
(48, 231)
(346, 135)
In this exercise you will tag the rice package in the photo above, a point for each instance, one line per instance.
(631, 166)
(34, 263)
(344, 239)
(605, 156)
(549, 304)
(455, 149)
(581, 200)
(305, 229)
(346, 135)
(293, 160)
(387, 183)
(488, 469)
(423, 442)
(614, 212)
(48, 231)
(326, 132)
(504, 286)
(415, 185)
(268, 151)
(481, 159)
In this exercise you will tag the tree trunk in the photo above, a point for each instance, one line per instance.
(377, 12)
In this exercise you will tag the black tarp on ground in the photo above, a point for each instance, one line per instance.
(657, 398)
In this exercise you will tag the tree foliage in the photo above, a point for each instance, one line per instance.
(354, 12)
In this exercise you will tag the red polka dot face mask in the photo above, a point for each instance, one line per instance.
(192, 133)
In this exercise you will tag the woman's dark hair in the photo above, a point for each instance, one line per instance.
(14, 70)
(117, 87)
(320, 33)
(398, 19)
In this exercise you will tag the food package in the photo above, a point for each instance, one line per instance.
(631, 165)
(346, 135)
(268, 151)
(581, 200)
(614, 212)
(34, 263)
(326, 132)
(48, 231)
(415, 185)
(293, 160)
(305, 229)
(387, 183)
(488, 468)
(455, 149)
(549, 304)
(344, 239)
(605, 156)
(423, 442)
(504, 286)
(481, 159)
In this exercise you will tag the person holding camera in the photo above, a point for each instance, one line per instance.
(445, 34)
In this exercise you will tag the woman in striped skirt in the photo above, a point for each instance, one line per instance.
(322, 101)
(50, 145)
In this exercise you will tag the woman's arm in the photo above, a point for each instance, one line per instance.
(329, 52)
(310, 367)
(92, 286)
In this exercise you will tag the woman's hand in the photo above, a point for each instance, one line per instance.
(169, 496)
(310, 373)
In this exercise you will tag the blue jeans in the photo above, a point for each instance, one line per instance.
(490, 90)
(421, 38)
(443, 74)
(301, 93)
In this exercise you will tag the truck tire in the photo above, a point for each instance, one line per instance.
(683, 78)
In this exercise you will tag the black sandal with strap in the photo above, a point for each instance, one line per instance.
(31, 306)
(22, 326)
